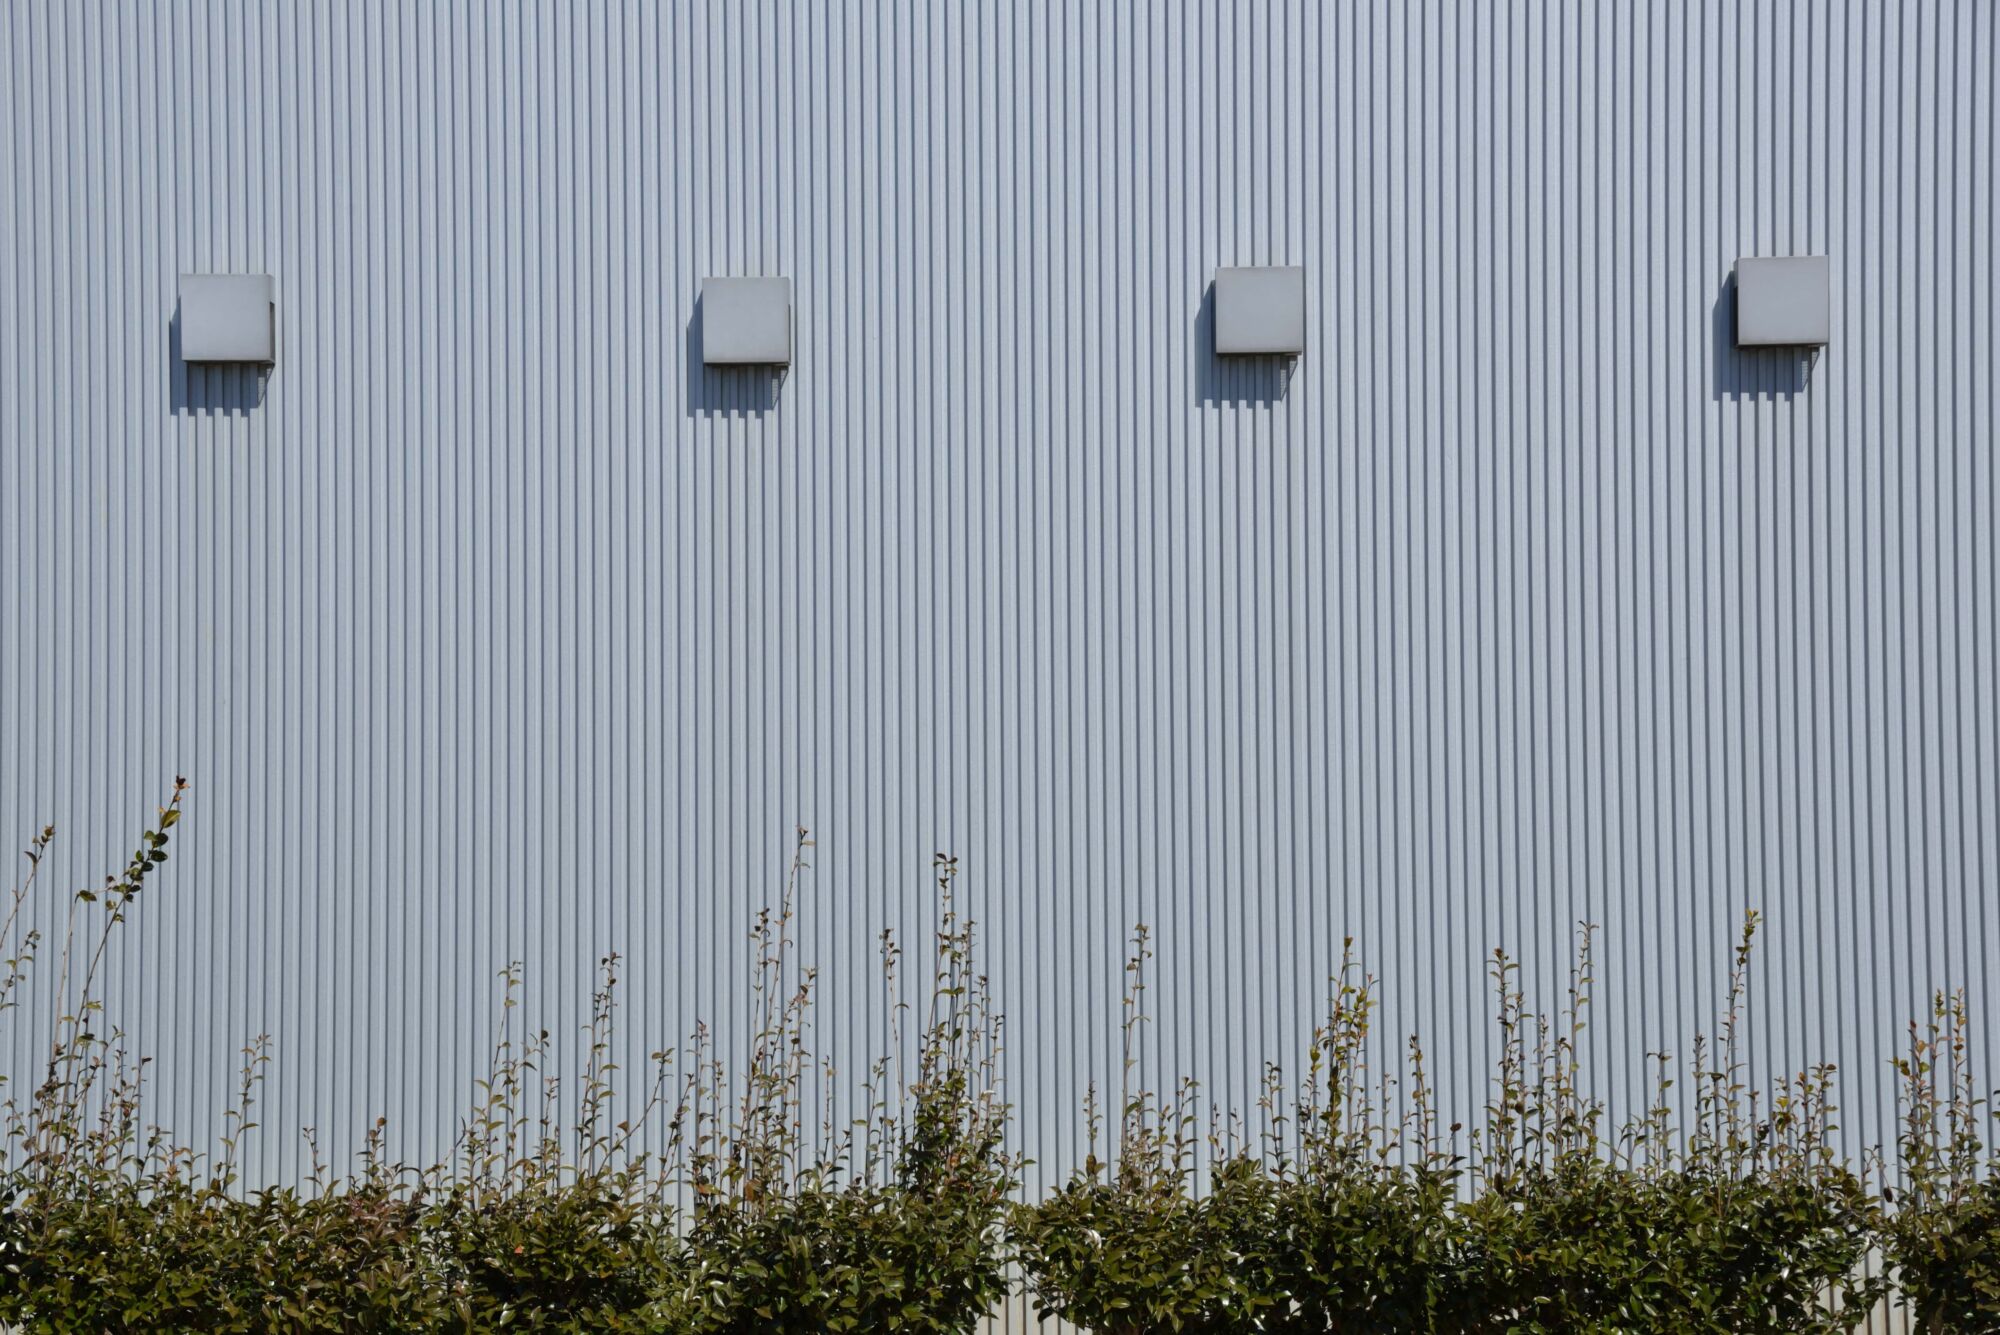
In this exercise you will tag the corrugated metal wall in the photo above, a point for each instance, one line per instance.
(491, 626)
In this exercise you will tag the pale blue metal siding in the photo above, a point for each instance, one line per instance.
(493, 627)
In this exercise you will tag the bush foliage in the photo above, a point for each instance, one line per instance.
(535, 1222)
(1350, 1218)
(1353, 1210)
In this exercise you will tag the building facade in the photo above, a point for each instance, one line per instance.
(490, 624)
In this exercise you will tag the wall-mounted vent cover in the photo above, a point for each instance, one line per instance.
(1782, 302)
(1260, 311)
(228, 317)
(746, 321)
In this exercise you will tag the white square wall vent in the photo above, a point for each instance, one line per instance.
(746, 321)
(1260, 311)
(228, 317)
(1782, 301)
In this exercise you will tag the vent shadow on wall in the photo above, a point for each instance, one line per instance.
(221, 342)
(1769, 320)
(1771, 317)
(739, 346)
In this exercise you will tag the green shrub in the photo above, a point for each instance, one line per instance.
(1350, 1220)
(1325, 1230)
(1943, 1236)
(1134, 1251)
(855, 1258)
(1592, 1246)
(1345, 1216)
(537, 1221)
(178, 1257)
(1127, 1248)
(1749, 1223)
(111, 1229)
(900, 1232)
(1356, 1251)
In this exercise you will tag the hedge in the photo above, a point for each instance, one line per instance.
(1353, 1210)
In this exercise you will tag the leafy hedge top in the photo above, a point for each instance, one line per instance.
(1344, 1216)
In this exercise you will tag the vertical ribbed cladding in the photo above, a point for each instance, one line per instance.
(499, 628)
